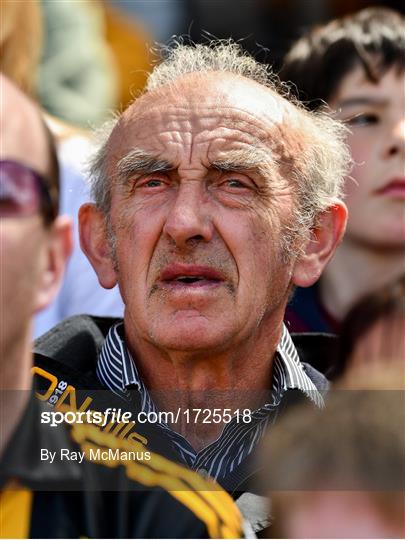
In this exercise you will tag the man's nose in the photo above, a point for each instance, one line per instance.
(189, 218)
(396, 141)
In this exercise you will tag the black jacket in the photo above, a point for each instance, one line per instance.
(67, 499)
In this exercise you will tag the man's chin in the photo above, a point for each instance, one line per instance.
(190, 332)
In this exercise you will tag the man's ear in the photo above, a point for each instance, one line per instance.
(325, 237)
(94, 243)
(56, 252)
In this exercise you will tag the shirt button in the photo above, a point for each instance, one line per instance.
(203, 473)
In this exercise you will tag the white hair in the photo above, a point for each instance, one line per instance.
(221, 56)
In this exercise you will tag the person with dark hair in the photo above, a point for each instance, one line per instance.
(65, 496)
(372, 336)
(356, 65)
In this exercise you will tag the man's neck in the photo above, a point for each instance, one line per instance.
(239, 378)
(356, 270)
(15, 386)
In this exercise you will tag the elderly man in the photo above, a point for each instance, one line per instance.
(34, 245)
(214, 196)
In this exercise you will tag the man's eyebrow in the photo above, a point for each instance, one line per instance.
(351, 102)
(140, 162)
(255, 161)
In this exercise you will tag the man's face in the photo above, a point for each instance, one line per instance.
(375, 114)
(198, 243)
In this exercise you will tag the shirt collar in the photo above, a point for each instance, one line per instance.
(293, 375)
(117, 366)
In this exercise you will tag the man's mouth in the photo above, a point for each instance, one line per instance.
(185, 275)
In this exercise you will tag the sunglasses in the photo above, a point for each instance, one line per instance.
(24, 192)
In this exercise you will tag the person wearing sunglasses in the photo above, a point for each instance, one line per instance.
(66, 498)
(34, 242)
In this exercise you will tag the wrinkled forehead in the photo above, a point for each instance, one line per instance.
(230, 110)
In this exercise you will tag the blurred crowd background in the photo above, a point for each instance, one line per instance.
(86, 58)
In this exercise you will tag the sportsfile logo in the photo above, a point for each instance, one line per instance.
(110, 415)
(63, 397)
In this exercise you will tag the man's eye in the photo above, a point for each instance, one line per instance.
(235, 183)
(364, 119)
(151, 183)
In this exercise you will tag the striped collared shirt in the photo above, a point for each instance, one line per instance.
(116, 369)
